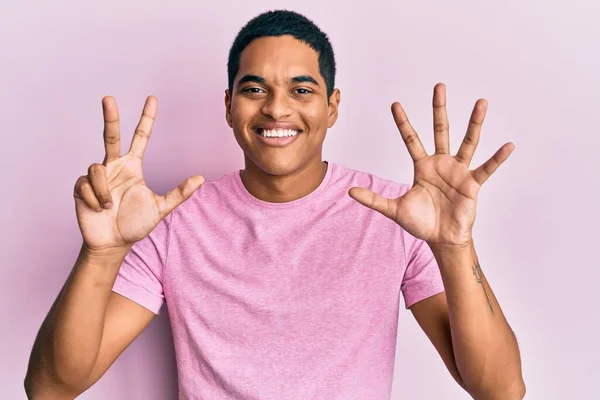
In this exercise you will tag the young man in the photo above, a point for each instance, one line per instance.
(282, 280)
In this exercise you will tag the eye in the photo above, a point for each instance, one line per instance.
(302, 91)
(253, 90)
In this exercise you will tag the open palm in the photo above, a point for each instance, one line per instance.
(441, 205)
(114, 206)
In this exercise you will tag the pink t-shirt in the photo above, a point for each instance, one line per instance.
(294, 300)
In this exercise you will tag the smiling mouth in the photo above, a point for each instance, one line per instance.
(276, 133)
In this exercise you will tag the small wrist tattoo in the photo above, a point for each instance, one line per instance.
(479, 278)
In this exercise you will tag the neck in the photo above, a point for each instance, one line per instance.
(285, 188)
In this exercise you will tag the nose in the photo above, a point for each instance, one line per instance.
(277, 106)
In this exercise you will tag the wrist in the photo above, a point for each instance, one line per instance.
(453, 255)
(103, 257)
(444, 248)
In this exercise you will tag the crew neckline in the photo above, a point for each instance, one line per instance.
(294, 203)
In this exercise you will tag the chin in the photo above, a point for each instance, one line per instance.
(281, 167)
(278, 166)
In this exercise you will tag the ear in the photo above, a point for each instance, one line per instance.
(228, 108)
(334, 103)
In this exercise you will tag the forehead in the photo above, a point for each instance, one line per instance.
(279, 57)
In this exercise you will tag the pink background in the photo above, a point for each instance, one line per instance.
(537, 227)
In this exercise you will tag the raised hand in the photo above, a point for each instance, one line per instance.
(114, 206)
(440, 207)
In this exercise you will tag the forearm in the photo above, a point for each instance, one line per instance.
(485, 348)
(67, 345)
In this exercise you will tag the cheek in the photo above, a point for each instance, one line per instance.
(240, 113)
(316, 115)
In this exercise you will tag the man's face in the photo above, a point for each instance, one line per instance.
(279, 90)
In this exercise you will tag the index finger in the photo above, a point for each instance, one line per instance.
(409, 135)
(112, 132)
(144, 128)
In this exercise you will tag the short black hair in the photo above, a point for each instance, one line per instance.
(279, 23)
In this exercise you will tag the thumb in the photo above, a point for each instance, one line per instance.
(374, 201)
(180, 194)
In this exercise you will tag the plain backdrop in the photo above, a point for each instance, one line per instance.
(537, 233)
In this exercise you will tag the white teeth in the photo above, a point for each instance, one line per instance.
(278, 132)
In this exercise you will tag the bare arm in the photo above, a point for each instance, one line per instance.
(86, 329)
(88, 325)
(469, 330)
(440, 209)
(432, 316)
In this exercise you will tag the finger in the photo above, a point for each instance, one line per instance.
(84, 191)
(181, 193)
(441, 134)
(144, 128)
(112, 132)
(411, 139)
(99, 182)
(471, 139)
(374, 201)
(486, 170)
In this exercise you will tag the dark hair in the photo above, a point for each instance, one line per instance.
(279, 23)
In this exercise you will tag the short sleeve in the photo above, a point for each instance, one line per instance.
(140, 276)
(422, 278)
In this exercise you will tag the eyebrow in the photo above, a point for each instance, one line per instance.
(304, 78)
(252, 78)
(262, 81)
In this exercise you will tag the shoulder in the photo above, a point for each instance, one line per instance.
(384, 187)
(213, 194)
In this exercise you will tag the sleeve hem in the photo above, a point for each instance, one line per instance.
(138, 295)
(416, 294)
